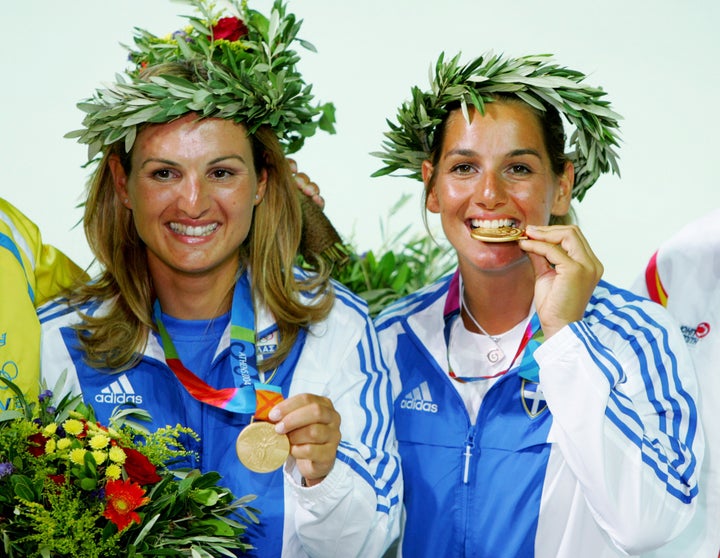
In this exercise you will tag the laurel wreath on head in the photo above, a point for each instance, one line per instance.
(250, 77)
(535, 80)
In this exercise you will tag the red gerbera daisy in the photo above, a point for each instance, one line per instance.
(123, 498)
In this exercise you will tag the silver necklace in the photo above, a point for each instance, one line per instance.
(495, 354)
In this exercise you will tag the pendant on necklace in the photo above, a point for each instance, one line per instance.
(495, 355)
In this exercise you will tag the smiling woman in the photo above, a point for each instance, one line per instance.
(192, 187)
(495, 171)
(549, 388)
(199, 311)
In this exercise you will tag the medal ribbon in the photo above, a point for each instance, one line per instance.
(250, 396)
(531, 340)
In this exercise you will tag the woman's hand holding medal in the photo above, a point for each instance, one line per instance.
(566, 273)
(312, 425)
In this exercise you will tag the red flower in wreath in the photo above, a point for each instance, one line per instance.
(229, 28)
(139, 468)
(123, 498)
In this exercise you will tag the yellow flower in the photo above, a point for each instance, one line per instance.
(99, 441)
(117, 455)
(91, 428)
(113, 471)
(77, 456)
(100, 457)
(50, 446)
(50, 429)
(63, 444)
(73, 427)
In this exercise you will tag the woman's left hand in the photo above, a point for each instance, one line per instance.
(566, 274)
(313, 427)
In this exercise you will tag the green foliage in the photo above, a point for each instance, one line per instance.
(193, 514)
(64, 525)
(403, 264)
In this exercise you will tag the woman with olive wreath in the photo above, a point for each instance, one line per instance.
(200, 315)
(540, 411)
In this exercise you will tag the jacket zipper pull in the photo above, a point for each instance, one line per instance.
(469, 445)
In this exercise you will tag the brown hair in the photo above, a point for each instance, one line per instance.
(117, 337)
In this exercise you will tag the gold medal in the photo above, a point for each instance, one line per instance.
(260, 448)
(501, 234)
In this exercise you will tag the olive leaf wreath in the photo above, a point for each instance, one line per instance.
(535, 80)
(253, 80)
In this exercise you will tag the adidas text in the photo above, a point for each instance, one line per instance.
(415, 405)
(118, 398)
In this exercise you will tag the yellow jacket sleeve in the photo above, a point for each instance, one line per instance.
(32, 273)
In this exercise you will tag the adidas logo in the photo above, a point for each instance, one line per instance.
(419, 399)
(119, 392)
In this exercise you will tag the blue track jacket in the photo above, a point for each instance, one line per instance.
(352, 512)
(600, 457)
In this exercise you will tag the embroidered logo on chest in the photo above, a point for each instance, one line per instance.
(268, 345)
(119, 392)
(694, 334)
(532, 398)
(419, 399)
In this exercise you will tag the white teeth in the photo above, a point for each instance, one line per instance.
(186, 230)
(493, 224)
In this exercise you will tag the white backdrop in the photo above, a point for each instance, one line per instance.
(658, 60)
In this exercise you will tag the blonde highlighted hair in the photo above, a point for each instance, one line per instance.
(116, 339)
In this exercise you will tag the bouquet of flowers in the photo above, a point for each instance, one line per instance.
(71, 487)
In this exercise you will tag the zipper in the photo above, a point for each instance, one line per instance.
(469, 445)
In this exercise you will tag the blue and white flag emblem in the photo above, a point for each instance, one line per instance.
(532, 397)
